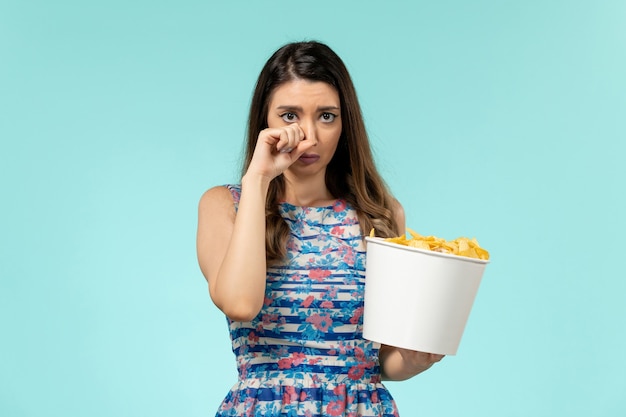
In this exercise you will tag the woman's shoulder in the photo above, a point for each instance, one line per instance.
(398, 214)
(221, 196)
(396, 207)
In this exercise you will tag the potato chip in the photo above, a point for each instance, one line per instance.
(461, 246)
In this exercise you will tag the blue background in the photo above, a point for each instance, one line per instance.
(503, 120)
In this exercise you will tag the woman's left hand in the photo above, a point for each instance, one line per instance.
(399, 364)
(419, 360)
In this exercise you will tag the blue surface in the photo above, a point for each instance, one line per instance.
(502, 120)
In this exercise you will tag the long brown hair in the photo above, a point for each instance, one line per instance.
(351, 173)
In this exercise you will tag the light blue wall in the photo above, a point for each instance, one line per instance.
(504, 120)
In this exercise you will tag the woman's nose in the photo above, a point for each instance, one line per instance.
(310, 131)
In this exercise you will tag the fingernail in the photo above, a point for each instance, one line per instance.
(286, 150)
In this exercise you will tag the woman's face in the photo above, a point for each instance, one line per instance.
(315, 106)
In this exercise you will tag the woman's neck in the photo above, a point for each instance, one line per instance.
(310, 193)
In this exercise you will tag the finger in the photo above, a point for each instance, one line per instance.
(298, 132)
(289, 137)
(269, 136)
(289, 140)
(302, 147)
(282, 141)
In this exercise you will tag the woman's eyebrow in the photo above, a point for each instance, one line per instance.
(298, 108)
(287, 107)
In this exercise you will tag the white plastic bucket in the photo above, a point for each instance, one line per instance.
(418, 299)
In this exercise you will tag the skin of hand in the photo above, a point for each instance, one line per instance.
(399, 364)
(277, 149)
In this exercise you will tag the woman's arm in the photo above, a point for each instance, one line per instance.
(398, 364)
(231, 246)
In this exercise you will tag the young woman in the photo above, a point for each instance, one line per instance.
(283, 251)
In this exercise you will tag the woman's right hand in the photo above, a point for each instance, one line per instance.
(277, 149)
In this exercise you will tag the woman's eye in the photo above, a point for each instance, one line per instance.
(328, 117)
(289, 117)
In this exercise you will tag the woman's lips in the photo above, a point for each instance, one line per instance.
(308, 158)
